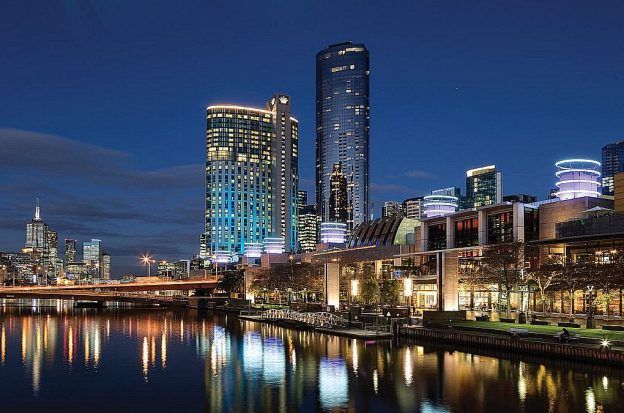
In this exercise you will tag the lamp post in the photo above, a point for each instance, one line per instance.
(147, 260)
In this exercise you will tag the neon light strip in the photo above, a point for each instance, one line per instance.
(578, 191)
(578, 160)
(589, 171)
(574, 181)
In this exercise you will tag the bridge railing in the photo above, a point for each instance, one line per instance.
(316, 319)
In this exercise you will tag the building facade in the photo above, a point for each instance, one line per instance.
(342, 126)
(308, 228)
(391, 209)
(339, 210)
(484, 186)
(251, 176)
(612, 163)
(413, 208)
(70, 250)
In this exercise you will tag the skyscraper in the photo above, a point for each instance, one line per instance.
(106, 266)
(342, 126)
(308, 228)
(41, 244)
(70, 251)
(91, 254)
(484, 186)
(251, 176)
(612, 163)
(338, 196)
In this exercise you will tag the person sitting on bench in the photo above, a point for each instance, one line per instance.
(565, 335)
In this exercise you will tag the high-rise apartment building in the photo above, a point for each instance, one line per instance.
(41, 244)
(342, 126)
(413, 208)
(251, 176)
(484, 186)
(612, 163)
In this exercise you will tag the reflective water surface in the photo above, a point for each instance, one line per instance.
(125, 359)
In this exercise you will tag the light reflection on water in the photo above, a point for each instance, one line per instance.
(124, 359)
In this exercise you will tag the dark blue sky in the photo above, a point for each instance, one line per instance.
(102, 103)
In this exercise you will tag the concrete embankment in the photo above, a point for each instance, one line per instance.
(478, 340)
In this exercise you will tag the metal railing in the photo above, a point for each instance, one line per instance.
(316, 319)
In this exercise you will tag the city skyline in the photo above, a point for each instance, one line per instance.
(125, 169)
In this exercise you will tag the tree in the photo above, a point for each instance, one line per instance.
(573, 277)
(390, 292)
(500, 264)
(370, 291)
(232, 281)
(545, 276)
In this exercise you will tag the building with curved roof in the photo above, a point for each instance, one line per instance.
(383, 232)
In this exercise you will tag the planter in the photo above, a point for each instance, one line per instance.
(571, 325)
(540, 323)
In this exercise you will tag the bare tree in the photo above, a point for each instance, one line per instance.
(545, 276)
(500, 264)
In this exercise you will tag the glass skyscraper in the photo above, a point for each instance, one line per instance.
(251, 176)
(612, 163)
(342, 126)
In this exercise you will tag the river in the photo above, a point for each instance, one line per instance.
(130, 359)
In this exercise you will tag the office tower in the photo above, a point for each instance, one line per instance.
(105, 266)
(391, 209)
(251, 177)
(41, 245)
(91, 254)
(338, 196)
(308, 228)
(342, 126)
(612, 163)
(70, 251)
(413, 208)
(484, 186)
(36, 234)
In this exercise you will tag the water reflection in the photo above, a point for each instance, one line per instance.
(126, 357)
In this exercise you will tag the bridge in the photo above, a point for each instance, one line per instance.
(319, 319)
(135, 292)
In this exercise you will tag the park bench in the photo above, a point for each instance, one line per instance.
(612, 327)
(571, 337)
(518, 331)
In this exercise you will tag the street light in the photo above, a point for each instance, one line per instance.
(147, 260)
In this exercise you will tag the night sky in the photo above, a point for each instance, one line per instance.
(102, 103)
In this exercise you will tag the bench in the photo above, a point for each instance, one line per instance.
(507, 320)
(518, 332)
(571, 337)
(482, 318)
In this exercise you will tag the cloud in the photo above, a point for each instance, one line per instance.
(377, 188)
(419, 174)
(30, 152)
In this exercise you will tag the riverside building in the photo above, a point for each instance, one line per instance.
(251, 178)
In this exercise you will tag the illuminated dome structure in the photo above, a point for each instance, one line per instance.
(253, 249)
(577, 178)
(439, 205)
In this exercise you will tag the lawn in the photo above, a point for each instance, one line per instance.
(591, 333)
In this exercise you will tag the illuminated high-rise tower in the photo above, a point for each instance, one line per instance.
(342, 126)
(251, 176)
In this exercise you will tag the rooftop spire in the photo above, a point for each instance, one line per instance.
(37, 211)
